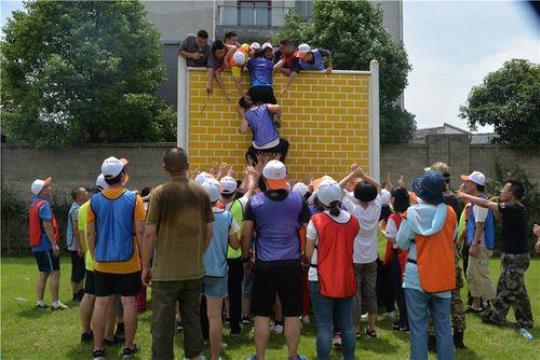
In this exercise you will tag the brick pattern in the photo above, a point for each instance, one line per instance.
(325, 119)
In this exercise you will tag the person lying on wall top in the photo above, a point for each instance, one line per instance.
(262, 119)
(225, 57)
(286, 53)
(307, 59)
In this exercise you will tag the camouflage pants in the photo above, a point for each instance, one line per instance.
(457, 307)
(511, 291)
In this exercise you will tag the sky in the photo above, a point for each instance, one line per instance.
(452, 46)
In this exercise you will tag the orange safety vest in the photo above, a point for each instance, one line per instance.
(35, 225)
(335, 266)
(435, 257)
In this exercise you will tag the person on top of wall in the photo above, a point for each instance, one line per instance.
(196, 50)
(309, 59)
(261, 72)
(268, 51)
(219, 52)
(261, 118)
(285, 54)
(231, 38)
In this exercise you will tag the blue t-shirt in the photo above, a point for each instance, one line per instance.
(261, 70)
(260, 122)
(45, 214)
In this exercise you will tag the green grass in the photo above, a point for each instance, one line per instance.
(29, 333)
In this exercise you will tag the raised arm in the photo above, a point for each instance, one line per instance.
(358, 172)
(244, 125)
(493, 206)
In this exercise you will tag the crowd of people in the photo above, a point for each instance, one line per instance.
(265, 249)
(211, 247)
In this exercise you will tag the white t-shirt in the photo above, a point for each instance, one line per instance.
(365, 244)
(391, 231)
(311, 233)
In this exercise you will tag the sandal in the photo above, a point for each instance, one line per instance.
(371, 333)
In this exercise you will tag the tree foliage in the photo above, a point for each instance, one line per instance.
(82, 71)
(508, 99)
(353, 31)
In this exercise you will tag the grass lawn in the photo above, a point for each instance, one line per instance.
(30, 333)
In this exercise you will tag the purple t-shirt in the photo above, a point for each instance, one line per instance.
(260, 122)
(278, 216)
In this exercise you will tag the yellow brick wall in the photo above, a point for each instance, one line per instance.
(325, 118)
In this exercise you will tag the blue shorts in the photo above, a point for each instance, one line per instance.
(215, 286)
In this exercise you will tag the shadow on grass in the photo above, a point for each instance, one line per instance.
(34, 312)
(378, 345)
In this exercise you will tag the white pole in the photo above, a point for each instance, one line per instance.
(374, 143)
(182, 104)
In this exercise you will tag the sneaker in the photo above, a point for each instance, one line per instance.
(363, 318)
(336, 341)
(179, 326)
(41, 305)
(404, 329)
(277, 329)
(57, 305)
(128, 353)
(246, 320)
(389, 315)
(87, 337)
(305, 319)
(371, 333)
(98, 354)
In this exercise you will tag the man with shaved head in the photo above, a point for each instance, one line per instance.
(179, 223)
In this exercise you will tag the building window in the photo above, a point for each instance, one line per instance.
(304, 8)
(254, 13)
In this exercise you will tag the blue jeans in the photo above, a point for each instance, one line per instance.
(327, 311)
(419, 305)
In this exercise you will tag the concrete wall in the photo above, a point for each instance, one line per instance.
(80, 166)
(325, 118)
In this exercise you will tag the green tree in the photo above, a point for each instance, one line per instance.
(82, 71)
(508, 99)
(353, 31)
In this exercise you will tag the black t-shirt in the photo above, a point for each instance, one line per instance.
(514, 228)
(278, 195)
(451, 200)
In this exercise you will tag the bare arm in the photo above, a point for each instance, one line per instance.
(139, 234)
(244, 125)
(293, 75)
(352, 175)
(247, 233)
(91, 237)
(485, 203)
(148, 244)
(310, 247)
(50, 235)
(188, 55)
(274, 108)
(234, 242)
(329, 63)
(221, 85)
(84, 249)
(209, 88)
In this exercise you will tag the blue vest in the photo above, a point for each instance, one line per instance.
(215, 258)
(489, 229)
(114, 226)
(317, 62)
(260, 122)
(277, 225)
(70, 235)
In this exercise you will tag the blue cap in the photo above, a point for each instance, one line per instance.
(430, 187)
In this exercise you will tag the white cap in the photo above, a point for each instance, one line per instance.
(112, 167)
(213, 189)
(199, 179)
(329, 191)
(300, 188)
(239, 58)
(266, 45)
(39, 184)
(275, 174)
(101, 183)
(385, 197)
(255, 46)
(476, 177)
(228, 184)
(304, 48)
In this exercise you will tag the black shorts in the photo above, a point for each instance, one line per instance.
(262, 93)
(90, 283)
(46, 261)
(117, 284)
(77, 267)
(277, 277)
(281, 148)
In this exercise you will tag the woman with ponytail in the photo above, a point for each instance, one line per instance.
(332, 284)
